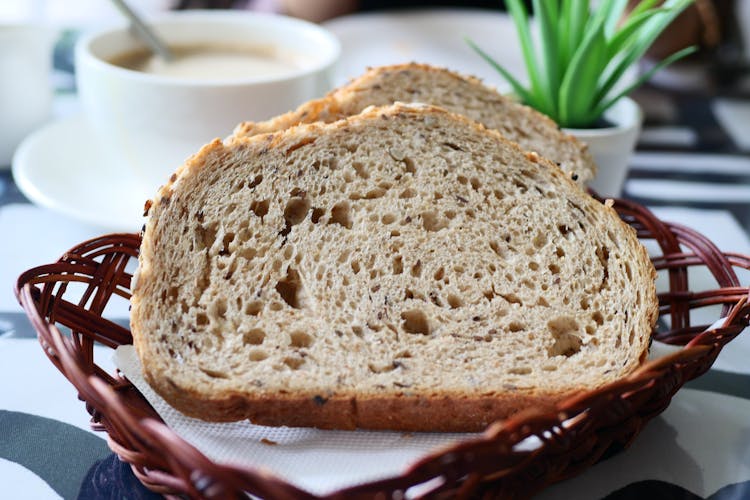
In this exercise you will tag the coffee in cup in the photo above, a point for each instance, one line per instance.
(231, 66)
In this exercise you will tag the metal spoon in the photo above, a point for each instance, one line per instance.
(144, 32)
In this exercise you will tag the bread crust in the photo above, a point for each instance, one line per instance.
(337, 407)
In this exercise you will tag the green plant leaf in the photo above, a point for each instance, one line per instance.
(579, 84)
(578, 16)
(518, 88)
(642, 6)
(614, 16)
(645, 37)
(629, 31)
(605, 105)
(546, 13)
(539, 87)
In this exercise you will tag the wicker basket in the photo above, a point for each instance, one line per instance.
(582, 431)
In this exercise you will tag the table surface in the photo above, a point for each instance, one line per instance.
(692, 166)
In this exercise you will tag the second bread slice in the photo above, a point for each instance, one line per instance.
(460, 94)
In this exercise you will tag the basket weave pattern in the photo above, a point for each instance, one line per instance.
(583, 430)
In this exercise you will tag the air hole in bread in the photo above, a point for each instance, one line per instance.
(475, 183)
(496, 248)
(382, 368)
(534, 266)
(294, 363)
(361, 169)
(462, 179)
(247, 253)
(205, 236)
(520, 370)
(344, 256)
(296, 210)
(522, 188)
(257, 355)
(374, 194)
(409, 165)
(549, 368)
(291, 290)
(540, 240)
(255, 182)
(431, 221)
(260, 208)
(416, 269)
(218, 309)
(355, 266)
(554, 268)
(398, 265)
(559, 252)
(388, 219)
(299, 338)
(316, 214)
(564, 230)
(415, 321)
(454, 301)
(541, 301)
(598, 318)
(439, 274)
(201, 319)
(563, 330)
(516, 326)
(358, 331)
(511, 298)
(498, 194)
(213, 373)
(397, 153)
(407, 193)
(172, 293)
(275, 306)
(341, 214)
(256, 336)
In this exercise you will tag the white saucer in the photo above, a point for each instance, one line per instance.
(60, 167)
(435, 37)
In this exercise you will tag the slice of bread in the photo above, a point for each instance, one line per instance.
(464, 95)
(405, 268)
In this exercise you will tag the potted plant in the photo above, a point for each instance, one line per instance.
(577, 75)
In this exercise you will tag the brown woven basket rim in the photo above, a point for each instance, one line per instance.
(582, 430)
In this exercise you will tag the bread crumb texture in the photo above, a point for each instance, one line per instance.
(404, 268)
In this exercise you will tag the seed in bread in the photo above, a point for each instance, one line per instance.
(405, 269)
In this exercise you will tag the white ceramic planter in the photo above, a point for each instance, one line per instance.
(613, 146)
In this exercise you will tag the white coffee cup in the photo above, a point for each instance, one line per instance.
(25, 84)
(150, 123)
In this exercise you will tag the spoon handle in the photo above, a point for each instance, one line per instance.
(144, 32)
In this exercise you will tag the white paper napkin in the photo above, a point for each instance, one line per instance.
(315, 460)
